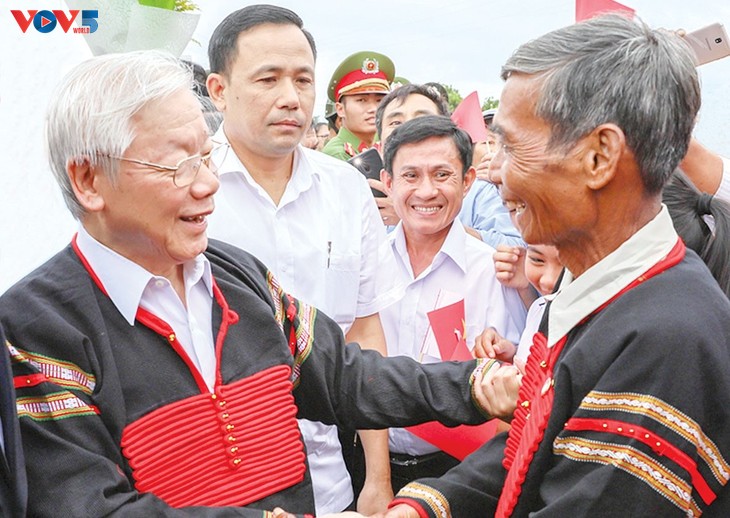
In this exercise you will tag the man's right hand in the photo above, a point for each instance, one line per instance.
(399, 511)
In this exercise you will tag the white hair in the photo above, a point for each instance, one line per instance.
(90, 114)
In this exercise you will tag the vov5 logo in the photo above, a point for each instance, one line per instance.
(45, 21)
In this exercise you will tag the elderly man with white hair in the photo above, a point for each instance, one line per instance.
(158, 373)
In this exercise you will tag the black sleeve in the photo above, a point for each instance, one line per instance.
(342, 384)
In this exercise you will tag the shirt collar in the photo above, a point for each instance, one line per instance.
(575, 299)
(453, 247)
(303, 171)
(125, 280)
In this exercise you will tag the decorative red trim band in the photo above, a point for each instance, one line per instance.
(657, 443)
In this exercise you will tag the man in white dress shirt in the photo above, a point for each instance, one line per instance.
(427, 172)
(310, 218)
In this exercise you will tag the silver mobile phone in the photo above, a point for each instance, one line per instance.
(709, 43)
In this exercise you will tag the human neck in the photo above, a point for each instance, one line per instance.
(366, 138)
(422, 249)
(271, 173)
(610, 232)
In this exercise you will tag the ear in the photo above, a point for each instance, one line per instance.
(84, 179)
(387, 181)
(340, 107)
(606, 144)
(216, 85)
(469, 177)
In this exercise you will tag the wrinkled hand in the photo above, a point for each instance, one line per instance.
(490, 344)
(281, 513)
(385, 204)
(483, 166)
(498, 389)
(509, 263)
(345, 514)
(374, 498)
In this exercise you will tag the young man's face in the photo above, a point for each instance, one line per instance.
(268, 96)
(358, 113)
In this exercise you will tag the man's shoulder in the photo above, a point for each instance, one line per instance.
(335, 173)
(56, 274)
(683, 301)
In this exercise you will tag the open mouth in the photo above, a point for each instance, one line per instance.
(194, 219)
(426, 210)
(514, 206)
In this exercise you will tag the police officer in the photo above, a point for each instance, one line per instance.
(356, 88)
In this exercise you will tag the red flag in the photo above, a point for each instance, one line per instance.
(468, 116)
(585, 9)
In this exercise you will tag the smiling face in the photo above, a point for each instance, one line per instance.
(544, 188)
(267, 96)
(542, 267)
(427, 187)
(142, 215)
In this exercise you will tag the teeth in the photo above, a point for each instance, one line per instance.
(195, 219)
(517, 207)
(427, 210)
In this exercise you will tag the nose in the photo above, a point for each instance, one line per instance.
(206, 182)
(495, 167)
(426, 188)
(288, 95)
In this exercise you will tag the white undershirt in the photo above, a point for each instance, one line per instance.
(130, 286)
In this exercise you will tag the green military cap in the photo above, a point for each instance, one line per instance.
(399, 81)
(362, 73)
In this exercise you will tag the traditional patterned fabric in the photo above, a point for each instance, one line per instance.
(65, 333)
(629, 433)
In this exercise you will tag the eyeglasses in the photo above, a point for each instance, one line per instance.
(184, 173)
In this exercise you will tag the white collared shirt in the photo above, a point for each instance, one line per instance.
(462, 270)
(130, 286)
(322, 240)
(575, 299)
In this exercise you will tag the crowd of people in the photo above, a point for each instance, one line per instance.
(391, 313)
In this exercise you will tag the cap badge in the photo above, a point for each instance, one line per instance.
(370, 66)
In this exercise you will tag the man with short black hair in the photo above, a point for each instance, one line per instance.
(310, 218)
(357, 87)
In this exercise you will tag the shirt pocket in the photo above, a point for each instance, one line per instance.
(343, 281)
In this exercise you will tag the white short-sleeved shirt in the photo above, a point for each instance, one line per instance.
(462, 270)
(322, 242)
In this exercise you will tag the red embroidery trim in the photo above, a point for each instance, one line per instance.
(535, 399)
(230, 448)
(31, 380)
(658, 444)
(164, 329)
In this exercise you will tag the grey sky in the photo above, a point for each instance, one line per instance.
(459, 42)
(464, 42)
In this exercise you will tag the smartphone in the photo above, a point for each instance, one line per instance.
(369, 164)
(709, 43)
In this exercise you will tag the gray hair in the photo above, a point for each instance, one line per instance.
(613, 70)
(90, 113)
